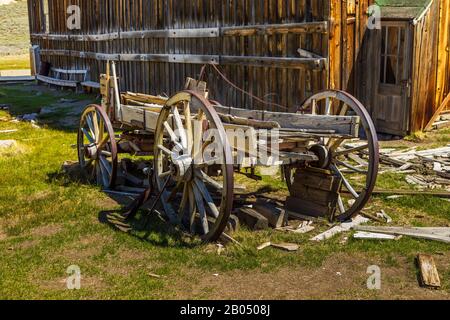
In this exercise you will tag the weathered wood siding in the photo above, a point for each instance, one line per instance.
(431, 69)
(348, 30)
(280, 77)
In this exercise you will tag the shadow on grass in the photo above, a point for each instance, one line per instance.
(64, 107)
(151, 229)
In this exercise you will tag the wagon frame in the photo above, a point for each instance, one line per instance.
(328, 131)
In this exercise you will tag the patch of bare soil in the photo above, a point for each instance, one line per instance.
(82, 250)
(3, 235)
(342, 276)
(128, 261)
(46, 230)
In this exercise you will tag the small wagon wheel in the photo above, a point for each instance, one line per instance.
(97, 147)
(189, 140)
(339, 154)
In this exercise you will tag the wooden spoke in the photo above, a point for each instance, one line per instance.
(188, 121)
(174, 191)
(180, 127)
(106, 165)
(314, 108)
(104, 173)
(341, 206)
(104, 141)
(351, 150)
(208, 180)
(172, 134)
(350, 167)
(344, 110)
(197, 150)
(209, 201)
(192, 208)
(201, 208)
(88, 136)
(91, 125)
(107, 154)
(184, 202)
(165, 150)
(94, 119)
(345, 181)
(328, 106)
(165, 174)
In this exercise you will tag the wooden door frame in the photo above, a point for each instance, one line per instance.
(406, 74)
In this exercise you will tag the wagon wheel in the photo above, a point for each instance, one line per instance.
(339, 154)
(97, 147)
(189, 140)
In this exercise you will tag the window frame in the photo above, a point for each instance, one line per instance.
(400, 55)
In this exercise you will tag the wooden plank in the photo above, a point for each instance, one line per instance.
(275, 215)
(253, 219)
(295, 28)
(317, 180)
(429, 275)
(345, 125)
(278, 62)
(418, 233)
(307, 208)
(57, 82)
(438, 112)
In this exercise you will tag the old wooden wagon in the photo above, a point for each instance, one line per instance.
(328, 150)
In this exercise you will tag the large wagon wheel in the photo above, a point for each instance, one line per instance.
(97, 147)
(189, 140)
(338, 154)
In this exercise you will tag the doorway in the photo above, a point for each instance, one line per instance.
(391, 110)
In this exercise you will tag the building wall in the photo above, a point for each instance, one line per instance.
(286, 82)
(349, 29)
(431, 73)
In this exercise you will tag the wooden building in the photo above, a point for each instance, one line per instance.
(158, 43)
(404, 66)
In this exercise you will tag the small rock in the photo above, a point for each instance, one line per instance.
(63, 100)
(220, 249)
(44, 111)
(5, 106)
(7, 143)
(30, 117)
(394, 197)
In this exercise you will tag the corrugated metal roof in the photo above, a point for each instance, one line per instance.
(403, 9)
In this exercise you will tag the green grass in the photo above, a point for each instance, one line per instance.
(15, 62)
(49, 222)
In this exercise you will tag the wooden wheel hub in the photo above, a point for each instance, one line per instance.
(324, 155)
(182, 167)
(91, 151)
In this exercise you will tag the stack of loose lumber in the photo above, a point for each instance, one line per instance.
(314, 193)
